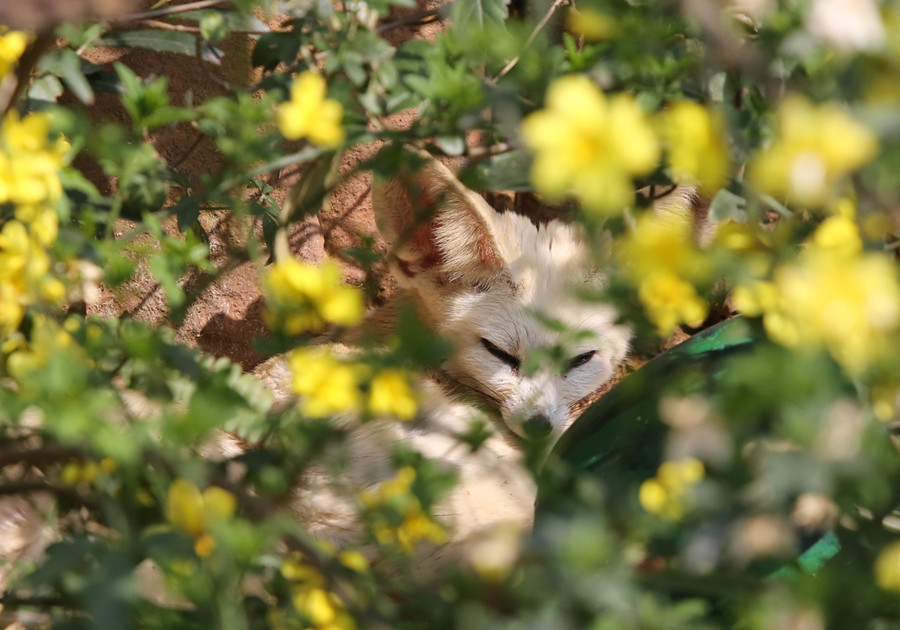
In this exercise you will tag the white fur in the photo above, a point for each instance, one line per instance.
(474, 274)
(477, 274)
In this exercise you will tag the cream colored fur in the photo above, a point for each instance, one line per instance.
(474, 274)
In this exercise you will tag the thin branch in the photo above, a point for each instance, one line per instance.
(195, 30)
(27, 487)
(12, 85)
(485, 153)
(48, 454)
(537, 29)
(413, 19)
(182, 8)
(188, 151)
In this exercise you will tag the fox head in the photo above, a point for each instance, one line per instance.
(505, 293)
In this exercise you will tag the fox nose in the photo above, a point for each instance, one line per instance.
(537, 426)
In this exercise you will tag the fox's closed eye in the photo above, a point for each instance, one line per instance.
(580, 360)
(504, 356)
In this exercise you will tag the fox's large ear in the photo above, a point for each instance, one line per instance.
(435, 225)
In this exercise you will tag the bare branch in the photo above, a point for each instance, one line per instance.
(537, 29)
(182, 8)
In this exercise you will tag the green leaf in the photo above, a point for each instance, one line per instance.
(188, 211)
(162, 41)
(275, 48)
(508, 171)
(727, 205)
(477, 14)
(44, 91)
(68, 66)
(451, 145)
(213, 27)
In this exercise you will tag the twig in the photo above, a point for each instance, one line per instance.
(182, 28)
(12, 85)
(47, 454)
(27, 487)
(485, 153)
(188, 151)
(422, 17)
(182, 8)
(537, 29)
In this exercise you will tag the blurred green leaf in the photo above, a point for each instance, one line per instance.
(162, 41)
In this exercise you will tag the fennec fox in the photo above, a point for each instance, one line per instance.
(501, 290)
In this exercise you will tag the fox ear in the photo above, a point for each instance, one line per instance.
(433, 224)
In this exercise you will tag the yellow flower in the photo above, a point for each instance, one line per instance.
(295, 570)
(354, 560)
(663, 243)
(48, 339)
(309, 114)
(316, 604)
(887, 568)
(29, 161)
(697, 145)
(80, 473)
(194, 513)
(665, 494)
(12, 45)
(815, 146)
(833, 296)
(326, 384)
(755, 298)
(662, 260)
(390, 394)
(839, 236)
(302, 297)
(849, 306)
(669, 301)
(589, 145)
(394, 497)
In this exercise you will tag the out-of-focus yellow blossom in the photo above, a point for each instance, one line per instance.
(663, 243)
(832, 296)
(885, 402)
(670, 301)
(309, 114)
(592, 25)
(743, 247)
(47, 339)
(86, 473)
(29, 161)
(80, 473)
(320, 608)
(12, 45)
(662, 260)
(29, 181)
(303, 297)
(815, 146)
(394, 497)
(327, 385)
(666, 495)
(848, 305)
(354, 560)
(887, 568)
(195, 513)
(294, 569)
(390, 394)
(697, 145)
(839, 236)
(755, 298)
(589, 145)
